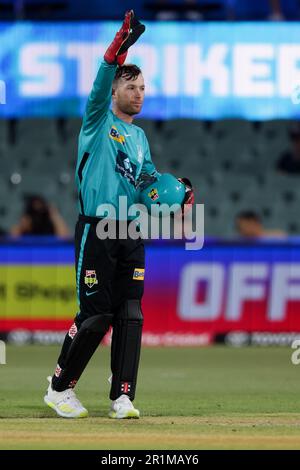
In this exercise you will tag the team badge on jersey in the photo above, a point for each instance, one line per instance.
(90, 278)
(114, 134)
(125, 167)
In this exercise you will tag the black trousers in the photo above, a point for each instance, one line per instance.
(110, 284)
(107, 271)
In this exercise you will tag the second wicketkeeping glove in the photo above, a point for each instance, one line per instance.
(189, 192)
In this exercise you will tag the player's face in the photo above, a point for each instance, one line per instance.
(129, 95)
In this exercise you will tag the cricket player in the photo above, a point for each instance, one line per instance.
(113, 156)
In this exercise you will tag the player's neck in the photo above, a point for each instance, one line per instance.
(123, 116)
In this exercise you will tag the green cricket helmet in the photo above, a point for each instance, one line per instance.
(165, 190)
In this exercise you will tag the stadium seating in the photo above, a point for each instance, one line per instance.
(232, 164)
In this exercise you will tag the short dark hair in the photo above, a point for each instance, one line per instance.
(127, 71)
(248, 215)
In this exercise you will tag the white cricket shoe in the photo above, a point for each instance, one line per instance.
(65, 403)
(122, 408)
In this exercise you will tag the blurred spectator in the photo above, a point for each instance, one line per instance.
(40, 218)
(68, 10)
(249, 225)
(19, 9)
(261, 10)
(276, 13)
(39, 9)
(289, 161)
(246, 10)
(240, 10)
(176, 10)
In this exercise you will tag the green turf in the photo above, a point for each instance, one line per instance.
(190, 398)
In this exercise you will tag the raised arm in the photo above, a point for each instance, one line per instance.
(100, 97)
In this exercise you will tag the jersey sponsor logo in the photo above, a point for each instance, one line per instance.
(90, 278)
(72, 331)
(138, 274)
(125, 167)
(114, 134)
(153, 194)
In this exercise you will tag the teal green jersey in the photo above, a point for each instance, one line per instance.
(112, 154)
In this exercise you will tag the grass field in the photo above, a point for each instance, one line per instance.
(190, 398)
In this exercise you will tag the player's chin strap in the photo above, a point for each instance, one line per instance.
(125, 349)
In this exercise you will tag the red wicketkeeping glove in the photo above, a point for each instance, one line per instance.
(128, 34)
